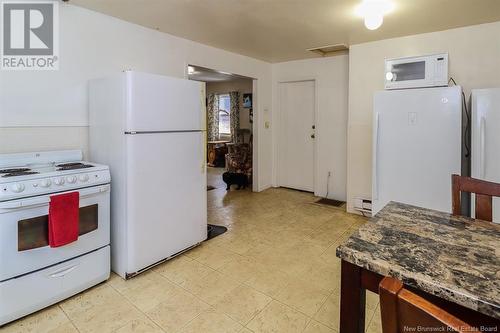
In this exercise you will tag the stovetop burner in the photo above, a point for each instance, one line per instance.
(20, 173)
(72, 166)
(14, 170)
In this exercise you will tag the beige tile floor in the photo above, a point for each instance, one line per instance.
(214, 177)
(275, 270)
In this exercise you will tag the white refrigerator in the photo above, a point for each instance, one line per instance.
(485, 137)
(416, 146)
(150, 130)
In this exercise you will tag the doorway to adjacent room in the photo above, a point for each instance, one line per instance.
(229, 104)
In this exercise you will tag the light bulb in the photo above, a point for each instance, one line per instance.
(373, 12)
(389, 76)
(373, 22)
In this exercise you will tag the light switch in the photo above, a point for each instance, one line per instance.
(412, 118)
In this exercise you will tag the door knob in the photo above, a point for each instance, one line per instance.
(313, 136)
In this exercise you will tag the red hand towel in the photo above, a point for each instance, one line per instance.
(63, 218)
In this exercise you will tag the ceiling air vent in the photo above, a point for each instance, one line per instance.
(330, 50)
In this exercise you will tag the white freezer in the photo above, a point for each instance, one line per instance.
(416, 146)
(485, 133)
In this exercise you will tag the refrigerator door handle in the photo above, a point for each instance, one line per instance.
(375, 156)
(204, 143)
(482, 143)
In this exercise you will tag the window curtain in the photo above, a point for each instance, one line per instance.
(234, 115)
(213, 117)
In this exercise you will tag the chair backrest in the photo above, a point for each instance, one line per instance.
(403, 311)
(238, 148)
(483, 190)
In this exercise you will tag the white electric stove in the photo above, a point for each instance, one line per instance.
(32, 274)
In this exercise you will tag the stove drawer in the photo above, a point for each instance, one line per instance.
(32, 292)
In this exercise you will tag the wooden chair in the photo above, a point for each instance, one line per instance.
(403, 311)
(484, 192)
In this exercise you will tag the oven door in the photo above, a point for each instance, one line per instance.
(24, 231)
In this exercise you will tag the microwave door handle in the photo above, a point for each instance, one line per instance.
(46, 199)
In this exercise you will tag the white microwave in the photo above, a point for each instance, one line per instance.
(417, 72)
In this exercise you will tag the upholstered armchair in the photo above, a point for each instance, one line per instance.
(239, 159)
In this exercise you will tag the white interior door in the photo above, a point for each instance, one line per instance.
(296, 135)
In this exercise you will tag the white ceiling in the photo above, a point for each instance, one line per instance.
(281, 30)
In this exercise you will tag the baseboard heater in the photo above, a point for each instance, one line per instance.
(363, 205)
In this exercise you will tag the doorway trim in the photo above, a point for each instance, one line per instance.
(278, 128)
(256, 118)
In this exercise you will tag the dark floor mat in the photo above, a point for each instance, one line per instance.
(330, 202)
(215, 230)
(210, 188)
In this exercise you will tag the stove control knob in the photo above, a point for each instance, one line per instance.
(45, 183)
(83, 178)
(17, 188)
(71, 179)
(59, 181)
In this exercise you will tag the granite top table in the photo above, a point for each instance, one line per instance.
(454, 258)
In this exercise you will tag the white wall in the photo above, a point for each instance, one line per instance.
(48, 110)
(474, 62)
(331, 76)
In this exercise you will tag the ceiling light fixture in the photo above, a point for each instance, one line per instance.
(373, 12)
(191, 70)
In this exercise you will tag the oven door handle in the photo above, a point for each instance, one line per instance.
(86, 192)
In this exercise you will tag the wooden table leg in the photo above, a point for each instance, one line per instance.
(352, 299)
(211, 155)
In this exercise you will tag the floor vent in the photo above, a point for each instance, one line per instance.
(331, 202)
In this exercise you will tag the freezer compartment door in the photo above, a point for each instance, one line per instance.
(486, 139)
(166, 195)
(162, 103)
(416, 147)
